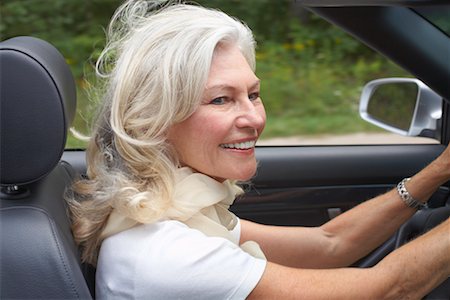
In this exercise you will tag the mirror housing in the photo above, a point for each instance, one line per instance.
(404, 106)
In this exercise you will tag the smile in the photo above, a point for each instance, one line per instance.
(240, 146)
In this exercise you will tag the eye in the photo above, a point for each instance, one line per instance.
(253, 96)
(219, 101)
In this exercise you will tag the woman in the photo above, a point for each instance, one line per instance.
(178, 125)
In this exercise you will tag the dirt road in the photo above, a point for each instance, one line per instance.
(347, 139)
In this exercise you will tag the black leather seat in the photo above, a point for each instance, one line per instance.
(38, 257)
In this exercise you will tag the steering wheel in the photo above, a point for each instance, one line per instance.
(421, 222)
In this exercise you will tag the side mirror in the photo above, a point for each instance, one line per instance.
(402, 105)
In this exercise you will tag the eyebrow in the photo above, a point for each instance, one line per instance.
(225, 86)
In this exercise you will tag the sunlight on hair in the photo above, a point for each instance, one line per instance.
(78, 135)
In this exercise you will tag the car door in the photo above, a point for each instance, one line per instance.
(309, 185)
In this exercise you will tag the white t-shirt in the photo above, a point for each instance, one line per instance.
(168, 260)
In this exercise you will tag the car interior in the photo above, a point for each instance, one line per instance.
(39, 258)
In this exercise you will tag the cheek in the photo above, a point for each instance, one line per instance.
(196, 138)
(211, 132)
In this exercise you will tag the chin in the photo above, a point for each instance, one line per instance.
(240, 173)
(245, 175)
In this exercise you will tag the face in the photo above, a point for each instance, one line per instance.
(219, 138)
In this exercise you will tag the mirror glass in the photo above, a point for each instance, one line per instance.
(394, 104)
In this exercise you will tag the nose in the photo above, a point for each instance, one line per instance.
(251, 114)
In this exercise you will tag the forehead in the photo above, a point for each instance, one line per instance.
(227, 66)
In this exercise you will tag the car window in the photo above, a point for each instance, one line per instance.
(311, 72)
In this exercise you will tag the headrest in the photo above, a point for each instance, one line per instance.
(37, 101)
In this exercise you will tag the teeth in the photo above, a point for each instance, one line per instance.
(241, 146)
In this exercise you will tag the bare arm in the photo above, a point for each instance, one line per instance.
(409, 272)
(351, 235)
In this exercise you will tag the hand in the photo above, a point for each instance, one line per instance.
(437, 173)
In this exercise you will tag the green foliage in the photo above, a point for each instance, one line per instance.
(75, 27)
(308, 92)
(268, 19)
(311, 72)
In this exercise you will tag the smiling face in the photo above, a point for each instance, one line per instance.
(219, 138)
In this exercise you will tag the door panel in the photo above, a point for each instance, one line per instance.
(309, 185)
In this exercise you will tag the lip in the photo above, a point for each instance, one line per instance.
(240, 152)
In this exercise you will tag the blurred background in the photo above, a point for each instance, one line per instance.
(312, 73)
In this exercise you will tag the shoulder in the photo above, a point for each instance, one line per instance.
(169, 260)
(168, 234)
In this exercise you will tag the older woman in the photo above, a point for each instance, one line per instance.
(178, 125)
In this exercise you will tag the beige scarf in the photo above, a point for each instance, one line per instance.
(201, 203)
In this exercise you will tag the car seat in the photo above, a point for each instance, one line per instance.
(38, 256)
